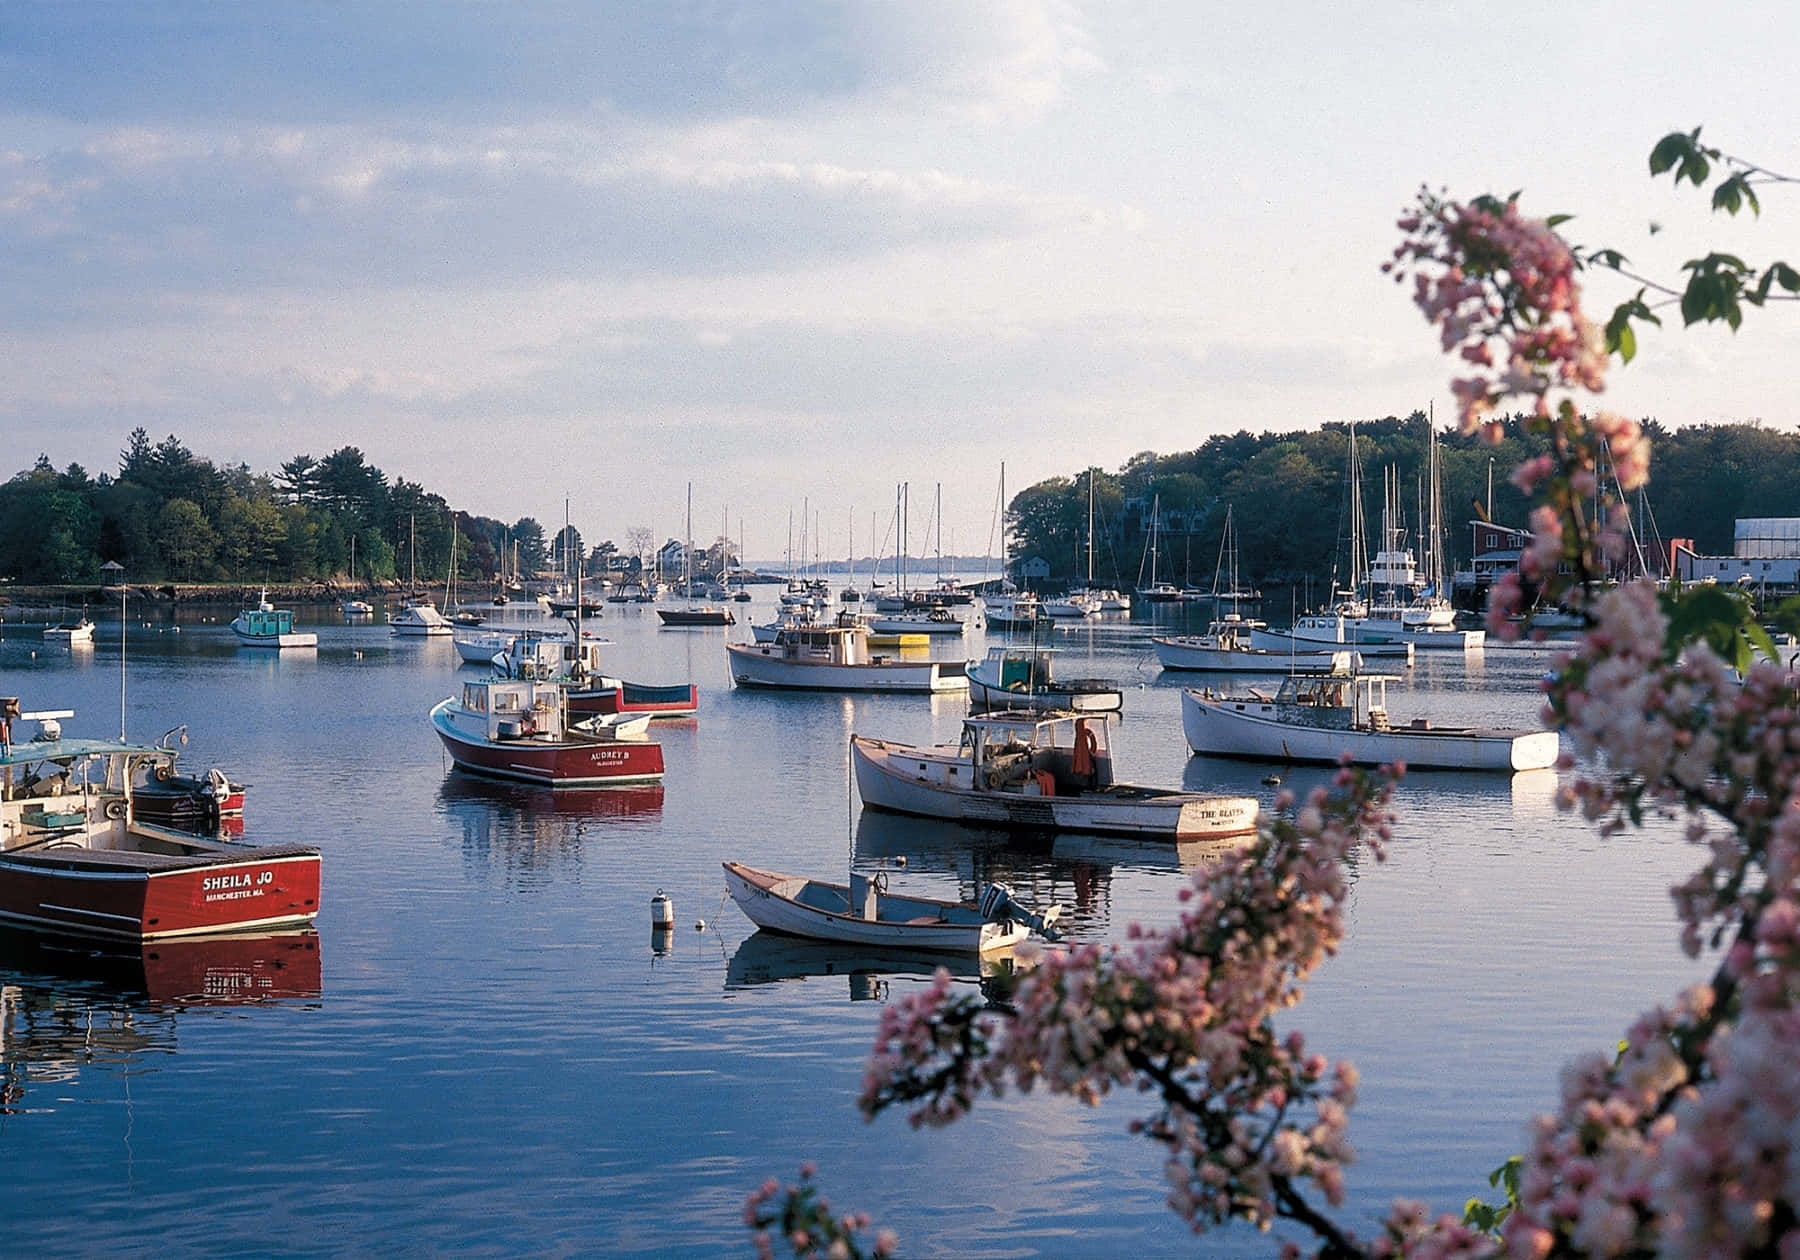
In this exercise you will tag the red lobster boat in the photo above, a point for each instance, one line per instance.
(519, 728)
(75, 858)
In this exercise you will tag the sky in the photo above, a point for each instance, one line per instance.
(799, 253)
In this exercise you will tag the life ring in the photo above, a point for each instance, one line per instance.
(114, 810)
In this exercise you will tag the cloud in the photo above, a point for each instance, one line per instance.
(142, 208)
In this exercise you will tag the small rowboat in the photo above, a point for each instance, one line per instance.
(865, 913)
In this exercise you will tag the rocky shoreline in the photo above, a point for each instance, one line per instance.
(54, 603)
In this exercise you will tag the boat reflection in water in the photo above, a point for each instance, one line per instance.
(229, 969)
(528, 829)
(67, 1005)
(770, 958)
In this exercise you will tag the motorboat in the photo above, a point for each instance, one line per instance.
(1070, 607)
(205, 804)
(1332, 631)
(1348, 716)
(76, 858)
(1050, 772)
(519, 728)
(356, 608)
(1013, 610)
(420, 619)
(1018, 675)
(556, 657)
(270, 627)
(75, 633)
(938, 621)
(1226, 648)
(864, 912)
(836, 658)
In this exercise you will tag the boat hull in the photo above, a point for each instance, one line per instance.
(125, 895)
(1177, 653)
(563, 763)
(885, 780)
(759, 895)
(1247, 728)
(765, 665)
(295, 639)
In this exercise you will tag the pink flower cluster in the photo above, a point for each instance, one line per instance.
(803, 1219)
(1187, 1013)
(1501, 289)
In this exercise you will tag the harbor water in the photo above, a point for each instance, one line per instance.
(486, 1050)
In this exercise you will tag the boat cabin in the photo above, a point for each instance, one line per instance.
(266, 619)
(1029, 751)
(514, 708)
(54, 789)
(534, 655)
(841, 644)
(1021, 668)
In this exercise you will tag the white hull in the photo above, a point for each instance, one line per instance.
(774, 902)
(920, 781)
(298, 639)
(915, 625)
(1199, 653)
(1310, 636)
(1250, 728)
(765, 665)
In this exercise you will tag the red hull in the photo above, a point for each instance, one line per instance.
(565, 764)
(132, 896)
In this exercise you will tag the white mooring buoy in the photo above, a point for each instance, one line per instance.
(662, 910)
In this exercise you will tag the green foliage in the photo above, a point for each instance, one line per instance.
(1488, 1217)
(1722, 617)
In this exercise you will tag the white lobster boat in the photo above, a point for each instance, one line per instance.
(1349, 716)
(1045, 772)
(1226, 648)
(835, 658)
(865, 913)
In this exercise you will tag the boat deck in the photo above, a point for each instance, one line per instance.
(76, 859)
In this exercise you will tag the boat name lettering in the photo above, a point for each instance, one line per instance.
(218, 883)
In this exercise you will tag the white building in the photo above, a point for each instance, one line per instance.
(1765, 552)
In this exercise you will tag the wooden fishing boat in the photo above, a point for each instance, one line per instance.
(75, 858)
(1037, 771)
(1226, 648)
(866, 913)
(1355, 724)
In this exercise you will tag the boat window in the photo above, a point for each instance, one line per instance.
(475, 697)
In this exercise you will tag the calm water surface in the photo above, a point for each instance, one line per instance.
(481, 1052)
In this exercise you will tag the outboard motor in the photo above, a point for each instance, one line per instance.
(997, 905)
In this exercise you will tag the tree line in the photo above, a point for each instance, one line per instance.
(1289, 498)
(171, 516)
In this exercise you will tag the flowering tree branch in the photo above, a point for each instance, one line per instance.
(1684, 1142)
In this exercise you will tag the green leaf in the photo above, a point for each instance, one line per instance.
(1621, 340)
(1727, 196)
(1785, 276)
(1670, 150)
(1557, 220)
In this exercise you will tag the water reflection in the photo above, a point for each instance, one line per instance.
(66, 1006)
(529, 830)
(771, 958)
